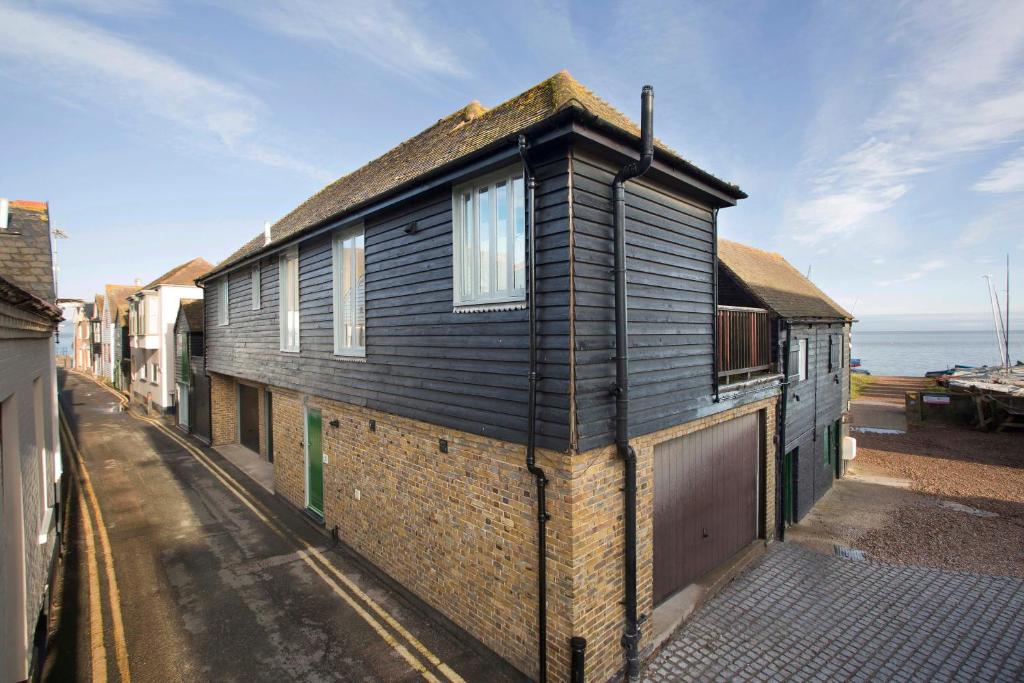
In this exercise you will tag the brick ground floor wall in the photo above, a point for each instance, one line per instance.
(223, 409)
(459, 529)
(598, 541)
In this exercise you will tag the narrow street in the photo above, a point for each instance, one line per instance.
(212, 578)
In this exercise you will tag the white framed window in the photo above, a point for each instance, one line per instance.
(489, 222)
(143, 372)
(288, 291)
(223, 302)
(802, 359)
(349, 265)
(44, 469)
(257, 295)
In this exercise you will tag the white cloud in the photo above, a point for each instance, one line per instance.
(922, 270)
(80, 62)
(113, 7)
(1007, 177)
(390, 36)
(960, 90)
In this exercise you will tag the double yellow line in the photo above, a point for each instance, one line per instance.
(90, 511)
(421, 659)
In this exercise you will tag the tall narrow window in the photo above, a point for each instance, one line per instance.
(44, 469)
(223, 301)
(489, 220)
(797, 371)
(349, 292)
(254, 278)
(289, 299)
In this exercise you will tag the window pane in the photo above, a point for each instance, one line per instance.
(484, 232)
(468, 245)
(519, 234)
(501, 261)
(360, 287)
(346, 293)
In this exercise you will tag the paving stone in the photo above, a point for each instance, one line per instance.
(804, 616)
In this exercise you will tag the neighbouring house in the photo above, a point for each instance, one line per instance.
(193, 385)
(83, 337)
(114, 297)
(152, 312)
(122, 351)
(30, 463)
(67, 332)
(381, 344)
(97, 335)
(810, 335)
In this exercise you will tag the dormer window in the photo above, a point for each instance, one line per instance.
(489, 221)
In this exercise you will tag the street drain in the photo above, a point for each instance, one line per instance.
(849, 553)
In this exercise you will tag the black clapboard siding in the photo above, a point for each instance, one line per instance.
(671, 303)
(466, 371)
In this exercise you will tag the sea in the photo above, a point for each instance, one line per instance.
(915, 352)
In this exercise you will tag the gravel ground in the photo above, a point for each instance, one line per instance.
(984, 472)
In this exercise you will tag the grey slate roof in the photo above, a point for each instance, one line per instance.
(778, 285)
(471, 129)
(25, 257)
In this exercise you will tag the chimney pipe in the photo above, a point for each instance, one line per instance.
(5, 209)
(266, 233)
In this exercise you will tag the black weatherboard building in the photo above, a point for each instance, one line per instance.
(811, 337)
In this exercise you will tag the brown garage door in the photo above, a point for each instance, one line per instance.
(705, 501)
(249, 417)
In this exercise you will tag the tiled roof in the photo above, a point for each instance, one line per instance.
(117, 296)
(184, 274)
(470, 129)
(777, 284)
(14, 295)
(193, 310)
(25, 257)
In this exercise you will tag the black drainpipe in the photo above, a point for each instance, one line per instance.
(781, 450)
(714, 291)
(634, 169)
(531, 431)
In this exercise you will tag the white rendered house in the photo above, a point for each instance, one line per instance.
(153, 310)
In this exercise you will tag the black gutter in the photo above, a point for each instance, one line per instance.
(714, 308)
(531, 416)
(634, 169)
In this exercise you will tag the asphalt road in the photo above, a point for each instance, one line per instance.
(216, 579)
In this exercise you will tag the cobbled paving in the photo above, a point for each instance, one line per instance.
(804, 616)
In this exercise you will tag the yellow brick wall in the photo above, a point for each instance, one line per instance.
(598, 542)
(223, 409)
(460, 530)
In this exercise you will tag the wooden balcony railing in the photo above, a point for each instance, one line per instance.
(744, 342)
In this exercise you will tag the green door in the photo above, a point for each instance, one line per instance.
(314, 462)
(837, 442)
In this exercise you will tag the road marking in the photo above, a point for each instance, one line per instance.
(98, 647)
(120, 646)
(307, 552)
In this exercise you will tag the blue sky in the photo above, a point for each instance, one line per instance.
(881, 144)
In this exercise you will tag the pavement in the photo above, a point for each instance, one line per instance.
(801, 615)
(203, 574)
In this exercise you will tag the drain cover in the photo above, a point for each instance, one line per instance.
(849, 553)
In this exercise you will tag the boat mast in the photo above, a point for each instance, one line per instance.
(1006, 328)
(997, 321)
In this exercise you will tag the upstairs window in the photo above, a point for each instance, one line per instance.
(223, 311)
(797, 360)
(257, 295)
(289, 304)
(489, 221)
(349, 292)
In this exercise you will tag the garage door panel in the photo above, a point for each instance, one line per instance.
(705, 494)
